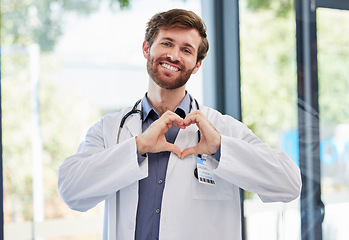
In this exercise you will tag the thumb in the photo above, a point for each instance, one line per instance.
(173, 148)
(188, 151)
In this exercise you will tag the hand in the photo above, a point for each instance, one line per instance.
(210, 137)
(153, 139)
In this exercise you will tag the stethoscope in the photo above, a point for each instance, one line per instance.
(135, 110)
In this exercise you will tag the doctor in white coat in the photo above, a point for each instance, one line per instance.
(106, 166)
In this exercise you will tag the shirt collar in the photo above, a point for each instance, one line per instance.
(183, 106)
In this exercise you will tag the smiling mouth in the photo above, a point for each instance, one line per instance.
(169, 67)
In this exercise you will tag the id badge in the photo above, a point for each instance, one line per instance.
(204, 174)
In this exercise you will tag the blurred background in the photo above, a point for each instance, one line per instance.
(64, 64)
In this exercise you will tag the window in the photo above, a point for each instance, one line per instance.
(54, 87)
(269, 105)
(333, 54)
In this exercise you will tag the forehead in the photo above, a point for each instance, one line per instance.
(180, 36)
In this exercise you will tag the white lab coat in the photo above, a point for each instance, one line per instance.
(101, 170)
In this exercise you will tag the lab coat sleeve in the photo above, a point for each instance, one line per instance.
(96, 172)
(254, 166)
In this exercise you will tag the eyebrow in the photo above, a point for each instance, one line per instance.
(186, 44)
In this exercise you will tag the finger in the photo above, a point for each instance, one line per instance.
(164, 124)
(188, 151)
(190, 117)
(204, 125)
(195, 113)
(171, 115)
(178, 123)
(172, 119)
(193, 118)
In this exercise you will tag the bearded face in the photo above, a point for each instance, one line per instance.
(169, 77)
(172, 57)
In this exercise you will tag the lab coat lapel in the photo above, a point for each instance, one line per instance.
(185, 138)
(133, 125)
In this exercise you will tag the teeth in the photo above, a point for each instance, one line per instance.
(170, 67)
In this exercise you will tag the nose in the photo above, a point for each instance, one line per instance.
(174, 55)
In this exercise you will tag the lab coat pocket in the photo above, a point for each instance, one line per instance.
(222, 190)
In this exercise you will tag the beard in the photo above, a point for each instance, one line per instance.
(155, 75)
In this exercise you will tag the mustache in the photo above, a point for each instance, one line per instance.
(168, 59)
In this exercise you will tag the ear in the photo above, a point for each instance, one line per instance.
(145, 49)
(197, 66)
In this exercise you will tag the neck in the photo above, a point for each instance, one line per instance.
(164, 99)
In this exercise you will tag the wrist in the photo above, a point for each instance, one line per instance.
(140, 145)
(217, 145)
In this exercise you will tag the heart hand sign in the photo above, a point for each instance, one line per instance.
(153, 139)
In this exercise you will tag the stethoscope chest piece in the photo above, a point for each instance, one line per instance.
(196, 173)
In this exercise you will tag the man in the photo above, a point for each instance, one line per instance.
(144, 169)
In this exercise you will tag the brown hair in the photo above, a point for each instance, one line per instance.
(178, 18)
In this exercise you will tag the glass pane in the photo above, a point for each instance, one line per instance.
(62, 69)
(333, 58)
(269, 104)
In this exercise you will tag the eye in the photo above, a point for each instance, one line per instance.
(186, 50)
(166, 44)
